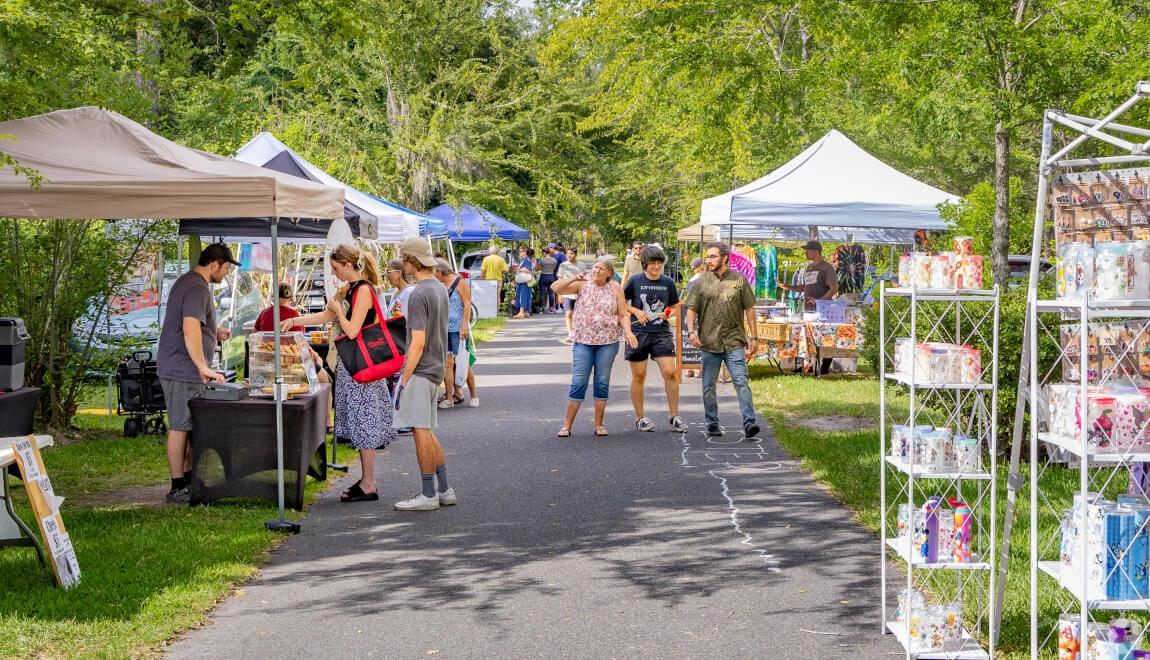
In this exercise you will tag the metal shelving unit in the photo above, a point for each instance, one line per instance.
(961, 317)
(1067, 323)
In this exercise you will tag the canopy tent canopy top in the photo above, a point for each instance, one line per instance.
(471, 223)
(428, 226)
(96, 163)
(700, 233)
(832, 183)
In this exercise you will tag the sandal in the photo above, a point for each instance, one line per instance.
(601, 431)
(356, 494)
(563, 433)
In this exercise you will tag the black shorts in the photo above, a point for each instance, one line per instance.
(569, 304)
(651, 345)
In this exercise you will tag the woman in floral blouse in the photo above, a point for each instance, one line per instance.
(600, 319)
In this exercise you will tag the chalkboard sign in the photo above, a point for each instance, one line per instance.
(689, 357)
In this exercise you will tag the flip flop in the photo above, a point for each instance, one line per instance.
(563, 433)
(601, 431)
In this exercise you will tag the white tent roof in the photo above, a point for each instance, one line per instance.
(394, 226)
(833, 183)
(700, 233)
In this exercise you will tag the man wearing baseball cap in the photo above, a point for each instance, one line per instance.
(187, 342)
(817, 282)
(423, 370)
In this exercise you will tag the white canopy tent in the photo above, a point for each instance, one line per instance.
(836, 189)
(96, 163)
(700, 233)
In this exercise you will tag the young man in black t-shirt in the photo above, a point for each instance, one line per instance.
(651, 299)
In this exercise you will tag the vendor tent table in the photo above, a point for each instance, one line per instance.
(97, 163)
(232, 452)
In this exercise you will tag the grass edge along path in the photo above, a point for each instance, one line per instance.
(149, 574)
(848, 463)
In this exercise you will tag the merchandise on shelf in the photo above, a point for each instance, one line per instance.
(297, 368)
(960, 269)
(1118, 352)
(1117, 553)
(1116, 417)
(938, 363)
(937, 534)
(929, 626)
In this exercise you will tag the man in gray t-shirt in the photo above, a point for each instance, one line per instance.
(423, 369)
(187, 341)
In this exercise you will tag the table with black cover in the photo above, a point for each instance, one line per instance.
(234, 447)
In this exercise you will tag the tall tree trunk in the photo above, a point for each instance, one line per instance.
(1000, 244)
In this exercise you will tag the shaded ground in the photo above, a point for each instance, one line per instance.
(639, 544)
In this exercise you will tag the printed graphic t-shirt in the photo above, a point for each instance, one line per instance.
(653, 297)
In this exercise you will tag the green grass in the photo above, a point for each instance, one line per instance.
(849, 463)
(147, 572)
(485, 329)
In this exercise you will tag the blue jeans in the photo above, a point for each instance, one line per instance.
(584, 358)
(545, 292)
(523, 298)
(736, 360)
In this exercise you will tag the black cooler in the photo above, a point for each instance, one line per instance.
(13, 336)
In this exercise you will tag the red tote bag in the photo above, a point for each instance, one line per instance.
(378, 351)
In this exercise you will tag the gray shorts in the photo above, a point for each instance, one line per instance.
(177, 394)
(417, 404)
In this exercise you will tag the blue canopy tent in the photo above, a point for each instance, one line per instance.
(471, 223)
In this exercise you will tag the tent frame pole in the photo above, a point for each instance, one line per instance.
(281, 524)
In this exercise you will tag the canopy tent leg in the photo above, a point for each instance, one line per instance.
(281, 524)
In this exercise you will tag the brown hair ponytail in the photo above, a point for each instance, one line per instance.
(359, 259)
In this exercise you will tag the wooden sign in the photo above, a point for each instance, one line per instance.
(46, 506)
(687, 355)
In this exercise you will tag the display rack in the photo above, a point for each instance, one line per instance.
(1069, 380)
(910, 398)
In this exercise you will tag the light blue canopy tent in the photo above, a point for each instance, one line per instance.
(471, 223)
(428, 225)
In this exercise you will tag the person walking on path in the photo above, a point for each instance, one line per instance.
(524, 274)
(458, 328)
(819, 282)
(423, 370)
(721, 302)
(494, 267)
(632, 265)
(569, 268)
(548, 264)
(398, 279)
(599, 319)
(651, 299)
(187, 342)
(363, 411)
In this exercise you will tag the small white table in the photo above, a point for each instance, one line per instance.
(13, 530)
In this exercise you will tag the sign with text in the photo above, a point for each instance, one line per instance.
(46, 505)
(688, 356)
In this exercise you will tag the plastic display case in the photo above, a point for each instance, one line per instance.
(298, 368)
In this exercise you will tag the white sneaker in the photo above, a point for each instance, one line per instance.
(448, 498)
(644, 424)
(473, 402)
(677, 425)
(419, 503)
(446, 403)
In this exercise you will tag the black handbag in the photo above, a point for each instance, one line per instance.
(379, 349)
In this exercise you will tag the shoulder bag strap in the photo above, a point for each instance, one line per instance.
(379, 316)
(454, 286)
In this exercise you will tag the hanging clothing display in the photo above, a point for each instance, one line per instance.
(850, 266)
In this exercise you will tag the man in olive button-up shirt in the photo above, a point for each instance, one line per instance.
(721, 301)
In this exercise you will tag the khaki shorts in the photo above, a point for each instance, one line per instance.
(417, 405)
(176, 396)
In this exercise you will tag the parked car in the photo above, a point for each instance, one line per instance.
(472, 262)
(118, 335)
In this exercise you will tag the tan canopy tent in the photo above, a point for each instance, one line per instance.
(96, 163)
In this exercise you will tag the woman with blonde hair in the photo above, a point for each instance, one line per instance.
(363, 413)
(601, 317)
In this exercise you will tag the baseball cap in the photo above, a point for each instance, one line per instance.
(418, 249)
(217, 252)
(813, 245)
(551, 246)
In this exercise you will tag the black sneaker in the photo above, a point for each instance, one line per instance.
(714, 430)
(750, 430)
(178, 496)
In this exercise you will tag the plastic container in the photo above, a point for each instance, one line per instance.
(297, 368)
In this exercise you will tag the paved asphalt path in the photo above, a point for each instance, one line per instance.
(634, 545)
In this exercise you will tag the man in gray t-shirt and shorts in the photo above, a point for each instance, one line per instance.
(423, 370)
(187, 341)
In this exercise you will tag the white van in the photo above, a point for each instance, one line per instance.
(472, 262)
